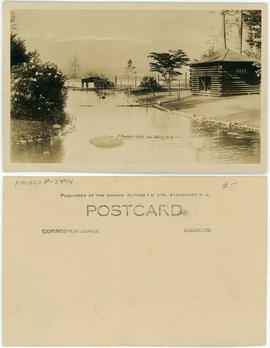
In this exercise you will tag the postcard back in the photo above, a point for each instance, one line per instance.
(134, 261)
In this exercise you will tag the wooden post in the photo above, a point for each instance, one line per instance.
(185, 80)
(179, 88)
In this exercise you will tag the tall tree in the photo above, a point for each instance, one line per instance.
(248, 19)
(168, 64)
(12, 22)
(74, 67)
(223, 14)
(253, 21)
(130, 70)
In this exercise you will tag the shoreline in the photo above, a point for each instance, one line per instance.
(225, 124)
(231, 125)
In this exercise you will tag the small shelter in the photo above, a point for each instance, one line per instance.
(223, 73)
(89, 82)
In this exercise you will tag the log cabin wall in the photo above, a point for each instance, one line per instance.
(198, 73)
(239, 79)
(224, 79)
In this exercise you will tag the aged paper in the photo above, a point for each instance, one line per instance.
(134, 261)
(135, 87)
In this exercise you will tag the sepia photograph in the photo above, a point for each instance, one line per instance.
(135, 87)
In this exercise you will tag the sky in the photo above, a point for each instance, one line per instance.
(104, 40)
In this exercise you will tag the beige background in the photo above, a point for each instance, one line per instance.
(140, 280)
(164, 166)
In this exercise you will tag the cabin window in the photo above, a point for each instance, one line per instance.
(241, 71)
(205, 83)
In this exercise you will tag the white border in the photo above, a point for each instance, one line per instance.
(2, 173)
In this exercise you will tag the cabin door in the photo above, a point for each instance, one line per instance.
(205, 83)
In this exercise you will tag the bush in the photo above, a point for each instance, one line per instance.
(38, 92)
(150, 83)
(103, 83)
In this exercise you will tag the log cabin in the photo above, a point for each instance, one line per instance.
(224, 73)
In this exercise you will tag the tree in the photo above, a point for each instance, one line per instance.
(74, 67)
(250, 19)
(150, 83)
(214, 40)
(102, 82)
(12, 22)
(38, 92)
(168, 64)
(130, 70)
(18, 53)
(253, 21)
(241, 20)
(208, 53)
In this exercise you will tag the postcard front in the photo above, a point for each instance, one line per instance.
(147, 87)
(134, 261)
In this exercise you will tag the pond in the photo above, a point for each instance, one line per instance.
(107, 130)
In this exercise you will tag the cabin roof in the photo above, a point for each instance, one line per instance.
(89, 79)
(222, 55)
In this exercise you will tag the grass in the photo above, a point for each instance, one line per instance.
(242, 109)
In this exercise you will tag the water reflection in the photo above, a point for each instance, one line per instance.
(34, 141)
(47, 151)
(225, 144)
(147, 135)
